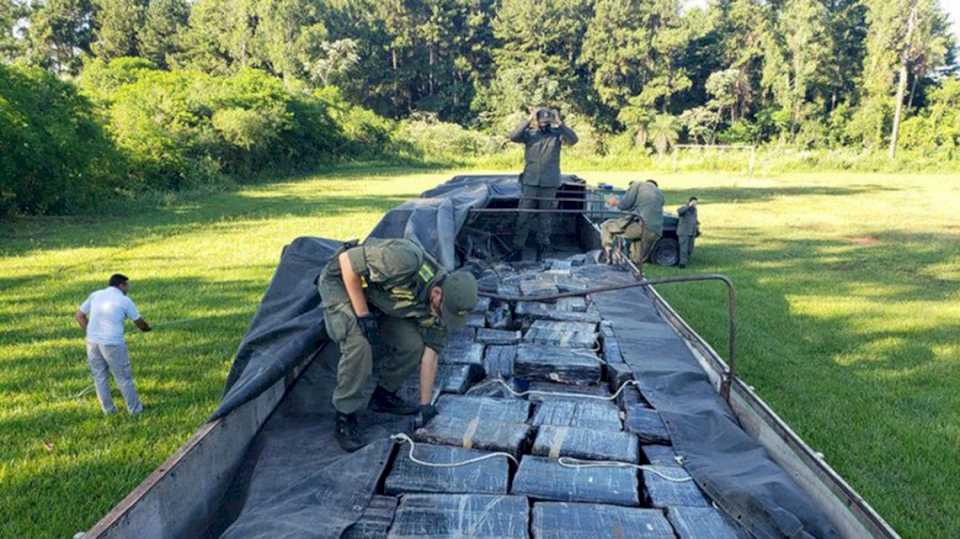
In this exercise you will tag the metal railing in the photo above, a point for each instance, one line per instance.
(728, 376)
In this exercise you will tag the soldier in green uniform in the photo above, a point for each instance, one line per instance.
(542, 135)
(687, 230)
(643, 228)
(392, 296)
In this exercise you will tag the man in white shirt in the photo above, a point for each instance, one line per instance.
(102, 316)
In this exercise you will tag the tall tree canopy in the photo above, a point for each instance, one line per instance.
(805, 72)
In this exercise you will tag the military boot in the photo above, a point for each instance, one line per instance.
(389, 403)
(348, 433)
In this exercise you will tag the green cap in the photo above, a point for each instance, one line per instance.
(459, 297)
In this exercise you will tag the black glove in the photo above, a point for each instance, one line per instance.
(426, 413)
(370, 327)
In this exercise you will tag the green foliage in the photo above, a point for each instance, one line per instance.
(12, 12)
(160, 34)
(664, 132)
(54, 155)
(59, 33)
(121, 22)
(535, 62)
(939, 125)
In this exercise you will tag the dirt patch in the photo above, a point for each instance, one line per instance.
(866, 241)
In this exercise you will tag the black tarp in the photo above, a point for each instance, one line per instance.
(296, 482)
(732, 467)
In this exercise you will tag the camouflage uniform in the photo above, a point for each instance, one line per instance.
(540, 178)
(645, 201)
(687, 231)
(397, 276)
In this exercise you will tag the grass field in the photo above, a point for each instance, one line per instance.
(849, 324)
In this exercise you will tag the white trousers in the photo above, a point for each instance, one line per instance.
(105, 359)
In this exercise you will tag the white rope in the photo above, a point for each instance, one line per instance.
(569, 462)
(403, 438)
(566, 462)
(521, 394)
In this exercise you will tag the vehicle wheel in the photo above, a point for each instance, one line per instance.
(666, 252)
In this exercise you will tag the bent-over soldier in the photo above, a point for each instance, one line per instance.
(389, 295)
(644, 201)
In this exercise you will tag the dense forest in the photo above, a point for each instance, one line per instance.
(192, 90)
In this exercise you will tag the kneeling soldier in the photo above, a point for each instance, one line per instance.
(643, 228)
(391, 293)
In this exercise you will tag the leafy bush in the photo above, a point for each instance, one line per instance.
(444, 141)
(54, 155)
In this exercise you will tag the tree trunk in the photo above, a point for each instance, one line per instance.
(902, 82)
(901, 90)
(913, 91)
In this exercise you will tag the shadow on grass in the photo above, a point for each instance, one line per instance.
(174, 365)
(762, 194)
(868, 378)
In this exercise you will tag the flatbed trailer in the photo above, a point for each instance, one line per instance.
(194, 493)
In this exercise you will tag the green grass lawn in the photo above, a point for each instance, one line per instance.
(849, 325)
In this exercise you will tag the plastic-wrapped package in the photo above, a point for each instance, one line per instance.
(585, 414)
(478, 516)
(490, 388)
(375, 520)
(455, 378)
(476, 320)
(462, 338)
(554, 391)
(498, 360)
(617, 373)
(545, 479)
(663, 455)
(470, 406)
(646, 423)
(631, 396)
(554, 442)
(499, 316)
(451, 378)
(476, 433)
(703, 523)
(534, 310)
(490, 476)
(537, 287)
(560, 520)
(555, 364)
(665, 493)
(470, 354)
(482, 305)
(566, 334)
(577, 304)
(497, 336)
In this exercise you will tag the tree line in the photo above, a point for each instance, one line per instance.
(107, 98)
(807, 72)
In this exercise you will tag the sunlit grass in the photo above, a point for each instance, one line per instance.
(848, 308)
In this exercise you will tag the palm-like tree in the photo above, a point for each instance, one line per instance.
(664, 132)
